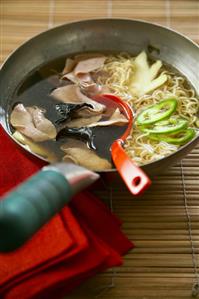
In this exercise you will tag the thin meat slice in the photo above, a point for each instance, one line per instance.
(41, 122)
(83, 66)
(89, 65)
(81, 155)
(81, 71)
(69, 65)
(32, 123)
(117, 118)
(93, 89)
(71, 94)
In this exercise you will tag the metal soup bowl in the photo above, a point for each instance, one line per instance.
(102, 35)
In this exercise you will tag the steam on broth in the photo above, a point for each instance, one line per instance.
(56, 116)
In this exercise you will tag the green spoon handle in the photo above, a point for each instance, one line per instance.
(31, 205)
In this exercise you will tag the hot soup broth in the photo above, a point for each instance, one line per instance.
(55, 115)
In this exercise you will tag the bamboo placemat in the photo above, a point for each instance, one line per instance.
(161, 265)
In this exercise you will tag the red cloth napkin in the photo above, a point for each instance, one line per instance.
(83, 239)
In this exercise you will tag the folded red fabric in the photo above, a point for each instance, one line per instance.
(84, 205)
(48, 253)
(74, 245)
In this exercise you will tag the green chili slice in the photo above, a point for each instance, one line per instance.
(179, 139)
(157, 112)
(171, 125)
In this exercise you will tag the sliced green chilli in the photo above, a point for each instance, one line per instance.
(157, 112)
(179, 139)
(171, 125)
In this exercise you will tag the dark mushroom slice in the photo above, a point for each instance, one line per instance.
(84, 133)
(67, 110)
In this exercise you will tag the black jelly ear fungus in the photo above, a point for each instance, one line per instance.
(65, 111)
(83, 133)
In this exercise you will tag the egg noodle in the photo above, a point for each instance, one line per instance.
(116, 74)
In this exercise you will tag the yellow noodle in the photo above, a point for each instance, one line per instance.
(119, 70)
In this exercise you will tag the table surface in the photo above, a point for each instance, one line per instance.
(161, 265)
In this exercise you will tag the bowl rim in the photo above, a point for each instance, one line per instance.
(97, 19)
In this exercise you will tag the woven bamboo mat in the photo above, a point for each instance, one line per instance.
(161, 265)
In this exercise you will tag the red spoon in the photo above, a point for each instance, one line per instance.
(133, 176)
